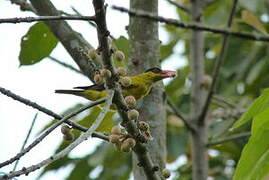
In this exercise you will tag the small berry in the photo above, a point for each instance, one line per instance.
(206, 80)
(119, 55)
(125, 147)
(105, 73)
(125, 81)
(130, 101)
(114, 138)
(65, 129)
(133, 114)
(121, 71)
(147, 135)
(116, 130)
(131, 142)
(118, 145)
(98, 79)
(68, 136)
(166, 173)
(143, 126)
(92, 54)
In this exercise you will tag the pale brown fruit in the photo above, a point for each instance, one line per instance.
(121, 71)
(125, 147)
(105, 73)
(166, 173)
(65, 129)
(116, 130)
(125, 81)
(114, 138)
(130, 101)
(143, 126)
(119, 55)
(98, 79)
(206, 81)
(133, 114)
(92, 54)
(130, 141)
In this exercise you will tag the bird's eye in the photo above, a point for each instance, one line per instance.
(155, 70)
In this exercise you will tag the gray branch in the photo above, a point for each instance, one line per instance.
(229, 138)
(217, 64)
(45, 18)
(49, 112)
(174, 22)
(69, 148)
(47, 132)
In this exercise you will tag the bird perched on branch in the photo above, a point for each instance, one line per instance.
(140, 85)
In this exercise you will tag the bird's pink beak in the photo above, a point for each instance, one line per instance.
(168, 74)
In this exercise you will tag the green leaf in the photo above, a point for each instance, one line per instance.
(259, 105)
(37, 44)
(106, 123)
(82, 170)
(253, 163)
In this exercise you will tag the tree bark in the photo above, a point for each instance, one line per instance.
(143, 35)
(199, 136)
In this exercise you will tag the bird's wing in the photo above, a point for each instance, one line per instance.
(101, 87)
(97, 87)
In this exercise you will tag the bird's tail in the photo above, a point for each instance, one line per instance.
(75, 92)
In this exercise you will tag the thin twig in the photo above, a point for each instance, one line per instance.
(91, 23)
(45, 18)
(50, 113)
(47, 132)
(178, 23)
(229, 138)
(179, 6)
(176, 112)
(225, 101)
(65, 65)
(69, 148)
(217, 65)
(26, 139)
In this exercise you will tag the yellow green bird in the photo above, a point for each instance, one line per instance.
(140, 86)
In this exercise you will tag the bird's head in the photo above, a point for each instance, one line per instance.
(157, 74)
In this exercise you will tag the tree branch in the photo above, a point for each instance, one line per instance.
(140, 149)
(177, 23)
(50, 113)
(176, 112)
(69, 148)
(217, 65)
(65, 65)
(45, 18)
(47, 132)
(229, 138)
(225, 101)
(26, 139)
(199, 137)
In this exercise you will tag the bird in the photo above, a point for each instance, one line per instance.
(139, 87)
